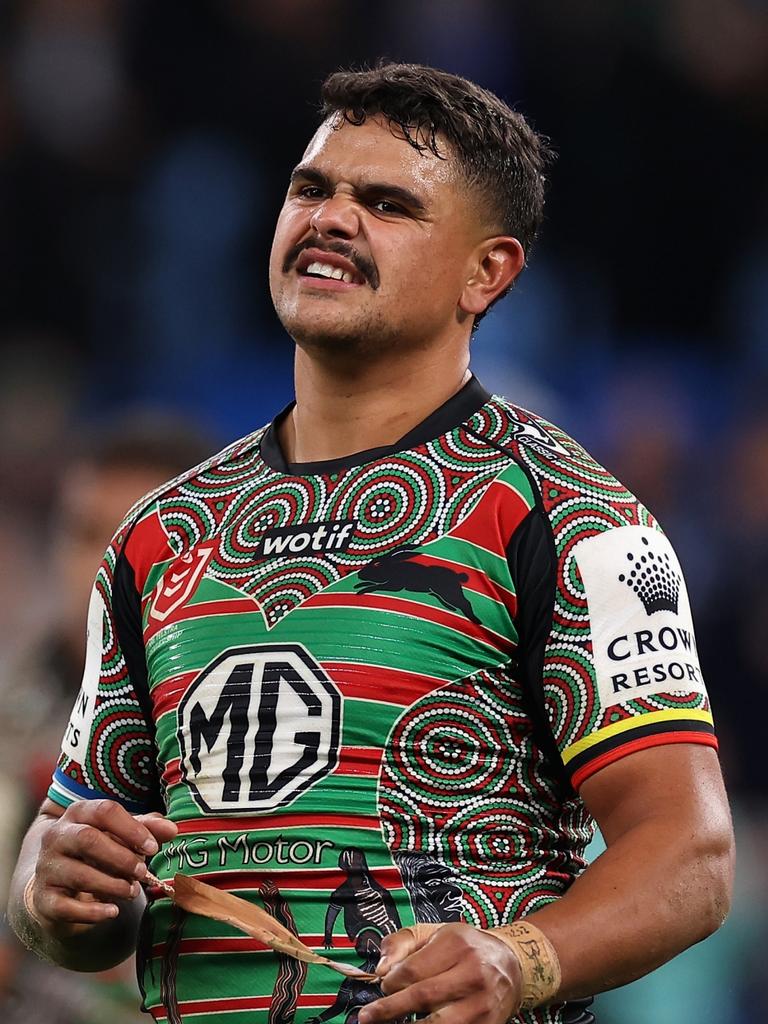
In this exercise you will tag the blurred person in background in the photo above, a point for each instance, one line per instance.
(734, 620)
(118, 463)
(393, 465)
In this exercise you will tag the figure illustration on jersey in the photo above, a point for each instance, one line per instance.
(353, 994)
(369, 910)
(369, 914)
(168, 993)
(291, 973)
(435, 894)
(397, 571)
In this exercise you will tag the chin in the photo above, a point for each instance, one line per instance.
(333, 335)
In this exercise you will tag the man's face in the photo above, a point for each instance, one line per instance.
(398, 224)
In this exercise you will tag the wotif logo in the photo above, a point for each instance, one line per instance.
(310, 538)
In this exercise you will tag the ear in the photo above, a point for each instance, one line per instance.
(498, 262)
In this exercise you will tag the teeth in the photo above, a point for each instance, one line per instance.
(320, 268)
(327, 270)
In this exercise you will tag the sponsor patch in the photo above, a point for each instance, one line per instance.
(642, 631)
(78, 731)
(257, 727)
(307, 539)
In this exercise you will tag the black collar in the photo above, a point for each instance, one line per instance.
(451, 414)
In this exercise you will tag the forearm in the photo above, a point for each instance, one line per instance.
(656, 890)
(79, 948)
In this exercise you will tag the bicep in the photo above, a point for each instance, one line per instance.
(680, 782)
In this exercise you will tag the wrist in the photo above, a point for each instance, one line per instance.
(539, 963)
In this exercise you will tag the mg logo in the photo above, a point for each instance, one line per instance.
(257, 727)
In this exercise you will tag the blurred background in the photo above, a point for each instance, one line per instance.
(144, 152)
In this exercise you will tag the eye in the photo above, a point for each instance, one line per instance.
(310, 192)
(386, 206)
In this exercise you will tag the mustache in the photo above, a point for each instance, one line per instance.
(364, 266)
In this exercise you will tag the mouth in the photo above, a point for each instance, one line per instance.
(327, 271)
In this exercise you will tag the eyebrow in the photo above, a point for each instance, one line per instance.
(372, 188)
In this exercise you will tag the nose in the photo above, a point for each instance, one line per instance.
(336, 217)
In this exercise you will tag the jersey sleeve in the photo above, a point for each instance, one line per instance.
(108, 746)
(606, 630)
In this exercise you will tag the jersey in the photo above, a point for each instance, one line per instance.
(369, 690)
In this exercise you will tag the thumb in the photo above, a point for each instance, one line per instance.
(395, 948)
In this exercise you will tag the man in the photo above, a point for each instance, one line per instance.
(405, 618)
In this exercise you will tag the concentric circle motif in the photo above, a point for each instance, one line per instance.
(444, 749)
(478, 907)
(393, 504)
(503, 694)
(489, 421)
(277, 505)
(186, 520)
(463, 451)
(120, 753)
(404, 824)
(492, 836)
(460, 782)
(279, 591)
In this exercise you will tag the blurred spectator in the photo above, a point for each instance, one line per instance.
(76, 43)
(732, 628)
(38, 396)
(98, 486)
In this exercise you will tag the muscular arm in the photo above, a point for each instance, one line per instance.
(86, 898)
(663, 884)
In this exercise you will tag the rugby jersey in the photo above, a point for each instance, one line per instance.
(368, 691)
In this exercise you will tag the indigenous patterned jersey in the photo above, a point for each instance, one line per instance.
(369, 690)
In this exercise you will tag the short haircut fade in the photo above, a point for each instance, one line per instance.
(497, 151)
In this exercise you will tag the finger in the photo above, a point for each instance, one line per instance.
(423, 996)
(438, 954)
(85, 843)
(162, 828)
(395, 948)
(63, 908)
(76, 876)
(109, 816)
(464, 1011)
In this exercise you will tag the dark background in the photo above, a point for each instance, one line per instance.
(144, 152)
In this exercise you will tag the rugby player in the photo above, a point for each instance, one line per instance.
(382, 665)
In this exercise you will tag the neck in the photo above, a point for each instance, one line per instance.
(344, 409)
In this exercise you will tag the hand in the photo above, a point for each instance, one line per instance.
(453, 972)
(90, 856)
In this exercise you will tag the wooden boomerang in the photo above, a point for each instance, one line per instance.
(199, 898)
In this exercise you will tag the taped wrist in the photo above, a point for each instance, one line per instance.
(539, 964)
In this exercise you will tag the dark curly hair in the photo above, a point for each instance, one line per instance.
(497, 151)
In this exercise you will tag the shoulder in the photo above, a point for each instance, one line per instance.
(145, 536)
(572, 487)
